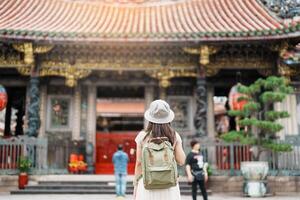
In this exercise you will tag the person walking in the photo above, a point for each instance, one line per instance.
(120, 161)
(159, 116)
(196, 170)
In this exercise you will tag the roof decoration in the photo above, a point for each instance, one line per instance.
(284, 8)
(182, 20)
(292, 56)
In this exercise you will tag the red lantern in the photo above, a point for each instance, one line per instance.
(234, 95)
(3, 98)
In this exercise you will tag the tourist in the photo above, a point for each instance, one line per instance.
(120, 160)
(159, 116)
(196, 170)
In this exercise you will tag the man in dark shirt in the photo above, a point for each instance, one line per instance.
(196, 171)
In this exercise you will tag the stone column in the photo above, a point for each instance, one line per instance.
(210, 112)
(76, 113)
(34, 107)
(91, 128)
(290, 123)
(200, 118)
(211, 126)
(43, 110)
(149, 97)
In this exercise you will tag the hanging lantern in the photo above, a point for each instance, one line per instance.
(234, 95)
(3, 98)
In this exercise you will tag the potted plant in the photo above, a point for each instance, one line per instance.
(258, 122)
(24, 167)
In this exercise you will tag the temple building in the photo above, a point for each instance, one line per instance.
(80, 73)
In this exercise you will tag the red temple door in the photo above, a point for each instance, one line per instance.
(106, 146)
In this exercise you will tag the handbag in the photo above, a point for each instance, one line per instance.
(199, 175)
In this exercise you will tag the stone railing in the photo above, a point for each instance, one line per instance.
(12, 149)
(226, 158)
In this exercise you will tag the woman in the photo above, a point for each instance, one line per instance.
(196, 170)
(159, 116)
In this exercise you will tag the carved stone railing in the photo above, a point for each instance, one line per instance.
(12, 149)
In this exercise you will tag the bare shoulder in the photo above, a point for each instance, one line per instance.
(140, 137)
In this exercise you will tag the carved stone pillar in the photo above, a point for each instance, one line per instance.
(43, 108)
(34, 107)
(200, 118)
(76, 113)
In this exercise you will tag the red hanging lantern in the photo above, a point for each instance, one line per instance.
(3, 98)
(234, 95)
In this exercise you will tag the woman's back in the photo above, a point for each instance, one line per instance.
(159, 116)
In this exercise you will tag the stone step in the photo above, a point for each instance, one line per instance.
(84, 187)
(38, 187)
(65, 191)
(85, 191)
(98, 183)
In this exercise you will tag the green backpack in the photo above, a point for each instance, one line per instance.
(159, 165)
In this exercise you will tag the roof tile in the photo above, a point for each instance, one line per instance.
(180, 20)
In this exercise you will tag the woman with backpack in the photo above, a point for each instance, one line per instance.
(159, 150)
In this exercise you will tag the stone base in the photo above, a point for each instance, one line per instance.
(276, 184)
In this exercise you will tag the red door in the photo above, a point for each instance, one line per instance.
(106, 146)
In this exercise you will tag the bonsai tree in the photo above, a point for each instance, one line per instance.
(257, 118)
(24, 165)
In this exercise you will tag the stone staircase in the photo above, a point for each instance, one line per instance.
(84, 187)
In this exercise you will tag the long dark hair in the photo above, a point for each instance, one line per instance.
(160, 131)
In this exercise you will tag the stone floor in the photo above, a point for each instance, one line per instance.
(3, 196)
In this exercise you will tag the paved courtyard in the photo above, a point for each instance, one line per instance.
(293, 196)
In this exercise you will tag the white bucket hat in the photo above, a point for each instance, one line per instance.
(159, 112)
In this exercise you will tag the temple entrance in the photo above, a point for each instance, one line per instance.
(119, 119)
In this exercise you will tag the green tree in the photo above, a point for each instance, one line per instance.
(258, 119)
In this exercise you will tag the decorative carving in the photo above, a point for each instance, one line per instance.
(35, 49)
(263, 66)
(287, 71)
(70, 72)
(211, 71)
(204, 52)
(12, 62)
(201, 102)
(166, 74)
(34, 105)
(42, 48)
(280, 48)
(27, 49)
(25, 71)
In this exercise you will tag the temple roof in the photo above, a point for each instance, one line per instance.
(147, 20)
